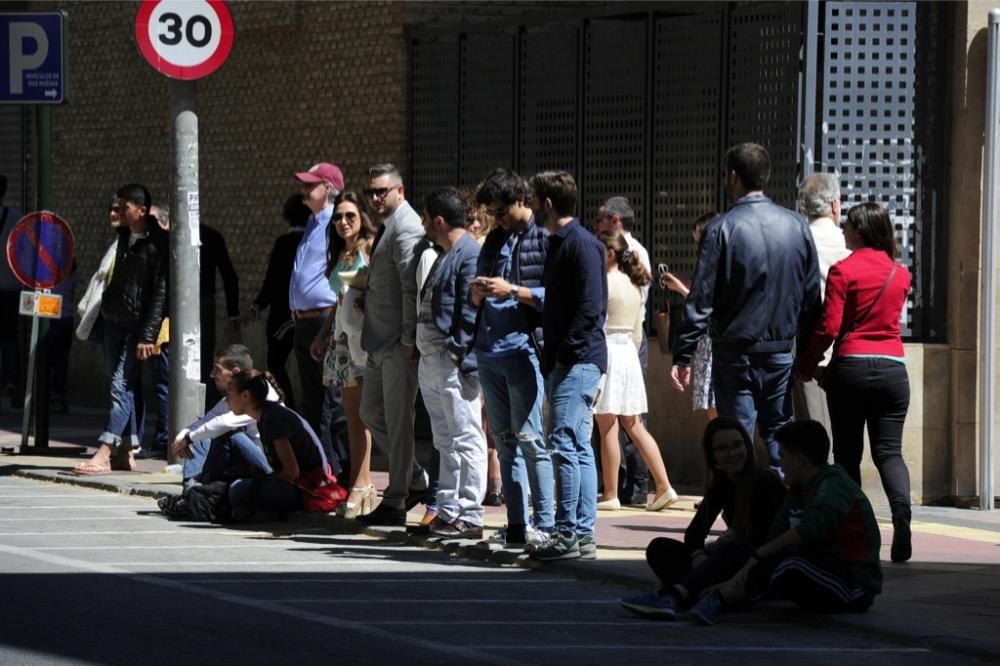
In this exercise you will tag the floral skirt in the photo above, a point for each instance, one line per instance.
(338, 368)
(701, 375)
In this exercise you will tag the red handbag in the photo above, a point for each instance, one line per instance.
(320, 491)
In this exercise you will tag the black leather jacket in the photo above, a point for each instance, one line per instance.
(136, 298)
(756, 285)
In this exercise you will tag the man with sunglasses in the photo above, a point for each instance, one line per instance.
(389, 336)
(508, 344)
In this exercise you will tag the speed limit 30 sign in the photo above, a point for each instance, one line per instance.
(184, 39)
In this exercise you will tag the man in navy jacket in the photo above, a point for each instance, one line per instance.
(574, 361)
(446, 323)
(756, 287)
(510, 297)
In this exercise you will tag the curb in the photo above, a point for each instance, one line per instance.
(97, 483)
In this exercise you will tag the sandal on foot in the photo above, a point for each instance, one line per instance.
(91, 469)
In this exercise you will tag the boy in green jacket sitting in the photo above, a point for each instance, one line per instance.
(823, 549)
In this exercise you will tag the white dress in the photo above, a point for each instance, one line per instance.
(624, 391)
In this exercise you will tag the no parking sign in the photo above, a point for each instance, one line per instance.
(40, 250)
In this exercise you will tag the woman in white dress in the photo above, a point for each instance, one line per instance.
(623, 399)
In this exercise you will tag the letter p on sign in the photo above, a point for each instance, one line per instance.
(21, 59)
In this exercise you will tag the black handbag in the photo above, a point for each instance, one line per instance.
(824, 379)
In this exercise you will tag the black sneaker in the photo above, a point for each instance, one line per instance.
(384, 516)
(493, 499)
(424, 530)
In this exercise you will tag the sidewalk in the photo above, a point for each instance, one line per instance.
(947, 597)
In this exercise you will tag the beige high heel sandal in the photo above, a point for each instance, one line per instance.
(366, 496)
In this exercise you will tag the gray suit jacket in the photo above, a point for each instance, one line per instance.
(391, 299)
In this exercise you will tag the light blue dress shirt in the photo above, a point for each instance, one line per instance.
(309, 288)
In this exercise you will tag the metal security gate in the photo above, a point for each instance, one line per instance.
(643, 104)
(868, 111)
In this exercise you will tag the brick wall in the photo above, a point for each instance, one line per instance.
(305, 82)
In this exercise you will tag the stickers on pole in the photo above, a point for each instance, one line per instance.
(194, 218)
(40, 303)
(184, 39)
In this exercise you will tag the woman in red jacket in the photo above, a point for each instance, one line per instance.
(866, 381)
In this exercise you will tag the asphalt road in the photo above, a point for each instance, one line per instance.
(97, 578)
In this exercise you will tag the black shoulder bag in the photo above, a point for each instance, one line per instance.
(824, 379)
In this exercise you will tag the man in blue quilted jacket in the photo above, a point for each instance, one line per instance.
(510, 298)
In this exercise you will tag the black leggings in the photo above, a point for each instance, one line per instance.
(874, 392)
(670, 560)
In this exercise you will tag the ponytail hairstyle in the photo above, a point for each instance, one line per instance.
(627, 260)
(258, 385)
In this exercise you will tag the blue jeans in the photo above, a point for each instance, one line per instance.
(512, 386)
(125, 371)
(754, 389)
(212, 457)
(161, 388)
(572, 391)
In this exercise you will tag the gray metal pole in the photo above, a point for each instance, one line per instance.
(186, 390)
(988, 274)
(810, 74)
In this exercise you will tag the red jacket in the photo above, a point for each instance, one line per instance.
(851, 287)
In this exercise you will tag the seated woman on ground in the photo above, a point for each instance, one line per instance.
(301, 478)
(747, 496)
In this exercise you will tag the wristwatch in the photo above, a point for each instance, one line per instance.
(513, 292)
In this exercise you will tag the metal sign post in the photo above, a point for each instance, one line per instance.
(184, 40)
(40, 254)
(988, 273)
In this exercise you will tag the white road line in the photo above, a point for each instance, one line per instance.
(72, 506)
(534, 623)
(39, 496)
(270, 563)
(469, 654)
(119, 532)
(704, 648)
(78, 519)
(341, 600)
(161, 547)
(341, 581)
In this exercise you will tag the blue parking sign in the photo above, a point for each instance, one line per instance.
(32, 58)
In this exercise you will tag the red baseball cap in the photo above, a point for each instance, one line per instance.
(324, 172)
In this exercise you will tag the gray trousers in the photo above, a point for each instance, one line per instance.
(390, 389)
(809, 402)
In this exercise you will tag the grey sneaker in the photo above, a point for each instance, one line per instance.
(588, 547)
(558, 547)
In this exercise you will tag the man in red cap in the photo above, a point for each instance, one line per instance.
(310, 299)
